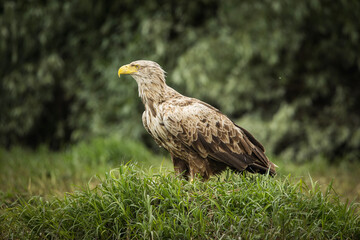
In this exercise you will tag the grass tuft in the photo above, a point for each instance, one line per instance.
(135, 204)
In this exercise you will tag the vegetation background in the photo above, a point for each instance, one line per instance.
(287, 71)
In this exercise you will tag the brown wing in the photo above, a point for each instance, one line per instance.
(212, 135)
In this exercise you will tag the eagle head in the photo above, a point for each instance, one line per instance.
(143, 71)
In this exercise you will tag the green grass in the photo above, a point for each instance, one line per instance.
(344, 176)
(42, 172)
(148, 202)
(131, 203)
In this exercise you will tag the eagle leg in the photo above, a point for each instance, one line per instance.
(199, 167)
(181, 168)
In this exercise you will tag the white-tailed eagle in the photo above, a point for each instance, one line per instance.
(201, 140)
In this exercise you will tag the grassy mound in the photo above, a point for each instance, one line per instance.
(133, 204)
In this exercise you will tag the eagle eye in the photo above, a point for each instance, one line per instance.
(135, 65)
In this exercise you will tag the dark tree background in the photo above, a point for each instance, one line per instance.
(289, 71)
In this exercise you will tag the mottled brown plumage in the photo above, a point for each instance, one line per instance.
(200, 139)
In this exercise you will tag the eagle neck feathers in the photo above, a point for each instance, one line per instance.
(153, 91)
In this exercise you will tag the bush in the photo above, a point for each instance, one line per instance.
(287, 71)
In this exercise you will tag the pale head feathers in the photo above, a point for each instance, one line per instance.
(148, 72)
(150, 78)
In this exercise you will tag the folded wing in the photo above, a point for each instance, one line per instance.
(212, 135)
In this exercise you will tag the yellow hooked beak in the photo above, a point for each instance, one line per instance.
(127, 69)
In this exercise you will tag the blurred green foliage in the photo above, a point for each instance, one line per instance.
(287, 71)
